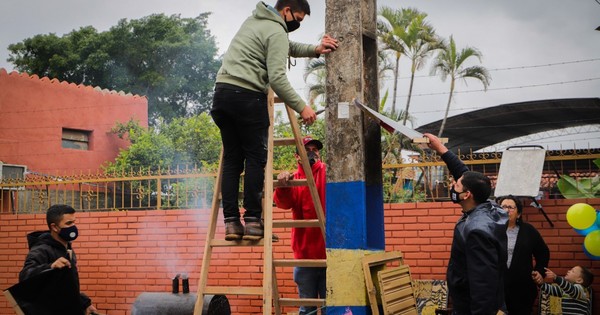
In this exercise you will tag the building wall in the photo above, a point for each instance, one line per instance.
(122, 254)
(34, 111)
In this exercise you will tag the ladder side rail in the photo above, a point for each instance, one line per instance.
(307, 169)
(212, 226)
(276, 297)
(268, 279)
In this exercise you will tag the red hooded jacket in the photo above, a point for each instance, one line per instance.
(307, 243)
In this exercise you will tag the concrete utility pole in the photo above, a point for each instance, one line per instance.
(354, 181)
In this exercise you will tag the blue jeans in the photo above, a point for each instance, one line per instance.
(242, 116)
(311, 284)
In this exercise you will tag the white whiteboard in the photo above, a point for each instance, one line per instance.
(520, 172)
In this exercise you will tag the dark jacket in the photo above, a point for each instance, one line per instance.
(478, 255)
(43, 251)
(519, 287)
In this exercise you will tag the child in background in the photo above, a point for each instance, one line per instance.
(572, 289)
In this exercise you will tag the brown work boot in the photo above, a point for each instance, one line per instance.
(234, 230)
(254, 230)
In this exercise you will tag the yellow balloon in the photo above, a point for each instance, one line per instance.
(592, 243)
(581, 216)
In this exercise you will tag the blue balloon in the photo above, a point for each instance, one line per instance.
(597, 218)
(587, 231)
(590, 256)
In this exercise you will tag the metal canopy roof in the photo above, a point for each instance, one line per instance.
(486, 127)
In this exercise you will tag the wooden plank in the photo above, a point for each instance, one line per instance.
(397, 294)
(291, 183)
(224, 243)
(268, 279)
(426, 140)
(11, 300)
(300, 263)
(276, 303)
(233, 290)
(210, 235)
(296, 223)
(312, 187)
(370, 264)
(301, 302)
(383, 258)
(284, 141)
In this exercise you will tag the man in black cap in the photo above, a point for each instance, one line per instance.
(307, 243)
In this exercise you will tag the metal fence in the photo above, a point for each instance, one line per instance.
(179, 188)
(420, 177)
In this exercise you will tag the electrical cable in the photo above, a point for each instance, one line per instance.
(504, 88)
(517, 67)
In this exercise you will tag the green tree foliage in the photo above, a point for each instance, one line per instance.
(572, 188)
(193, 142)
(190, 142)
(170, 60)
(283, 156)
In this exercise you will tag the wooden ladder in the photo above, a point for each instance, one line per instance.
(269, 290)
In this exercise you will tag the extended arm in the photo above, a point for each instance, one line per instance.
(574, 291)
(455, 165)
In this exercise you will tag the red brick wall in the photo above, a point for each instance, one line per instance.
(122, 254)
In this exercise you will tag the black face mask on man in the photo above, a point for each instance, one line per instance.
(312, 157)
(69, 234)
(454, 195)
(293, 24)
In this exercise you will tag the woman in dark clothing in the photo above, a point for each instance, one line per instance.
(524, 243)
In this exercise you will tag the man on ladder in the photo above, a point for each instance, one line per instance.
(255, 60)
(307, 242)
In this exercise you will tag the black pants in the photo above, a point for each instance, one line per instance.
(243, 118)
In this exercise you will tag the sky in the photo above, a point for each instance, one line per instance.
(535, 50)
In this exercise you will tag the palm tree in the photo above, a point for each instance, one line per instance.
(450, 63)
(315, 67)
(421, 41)
(392, 27)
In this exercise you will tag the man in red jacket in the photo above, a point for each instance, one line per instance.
(307, 243)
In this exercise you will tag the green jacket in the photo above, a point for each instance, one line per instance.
(257, 56)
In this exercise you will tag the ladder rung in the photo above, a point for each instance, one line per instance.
(301, 302)
(300, 262)
(295, 223)
(291, 183)
(284, 141)
(234, 290)
(224, 243)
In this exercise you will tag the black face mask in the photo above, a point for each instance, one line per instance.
(69, 233)
(312, 157)
(293, 24)
(454, 195)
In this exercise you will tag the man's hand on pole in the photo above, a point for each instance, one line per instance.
(308, 115)
(328, 44)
